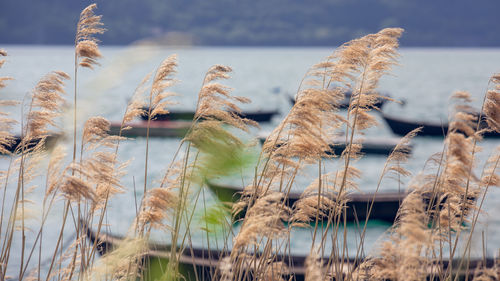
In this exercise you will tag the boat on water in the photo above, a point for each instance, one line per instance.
(372, 145)
(203, 264)
(165, 129)
(258, 116)
(385, 204)
(196, 263)
(16, 147)
(402, 126)
(344, 104)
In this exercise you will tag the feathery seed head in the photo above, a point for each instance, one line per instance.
(215, 101)
(217, 72)
(263, 219)
(6, 138)
(95, 129)
(76, 189)
(86, 47)
(157, 202)
(89, 52)
(47, 96)
(492, 108)
(163, 78)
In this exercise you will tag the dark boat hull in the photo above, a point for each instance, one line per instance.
(344, 104)
(401, 126)
(15, 146)
(194, 263)
(258, 116)
(370, 146)
(163, 129)
(385, 205)
(201, 264)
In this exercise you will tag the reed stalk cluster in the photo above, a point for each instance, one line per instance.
(435, 223)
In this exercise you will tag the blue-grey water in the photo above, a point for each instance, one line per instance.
(424, 79)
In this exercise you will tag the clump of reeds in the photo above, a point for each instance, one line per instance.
(6, 138)
(442, 205)
(86, 52)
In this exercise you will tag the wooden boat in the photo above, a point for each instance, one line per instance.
(15, 146)
(165, 129)
(258, 116)
(195, 263)
(385, 204)
(402, 126)
(375, 146)
(344, 104)
(202, 264)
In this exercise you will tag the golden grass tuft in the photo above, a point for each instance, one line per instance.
(264, 218)
(158, 202)
(86, 47)
(46, 104)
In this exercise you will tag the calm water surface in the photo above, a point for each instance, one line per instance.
(424, 80)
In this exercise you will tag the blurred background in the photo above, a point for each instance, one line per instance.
(448, 23)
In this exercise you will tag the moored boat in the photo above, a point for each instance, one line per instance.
(16, 146)
(198, 263)
(344, 104)
(165, 129)
(402, 126)
(385, 204)
(203, 264)
(258, 116)
(371, 145)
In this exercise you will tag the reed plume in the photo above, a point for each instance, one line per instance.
(366, 60)
(264, 219)
(157, 203)
(491, 105)
(308, 127)
(6, 138)
(216, 103)
(312, 203)
(95, 129)
(401, 257)
(46, 104)
(136, 106)
(86, 52)
(491, 171)
(159, 98)
(96, 177)
(163, 79)
(437, 207)
(3, 53)
(458, 182)
(303, 137)
(101, 166)
(86, 45)
(222, 153)
(76, 190)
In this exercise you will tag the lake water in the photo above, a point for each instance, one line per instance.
(424, 79)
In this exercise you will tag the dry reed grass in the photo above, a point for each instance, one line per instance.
(415, 244)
